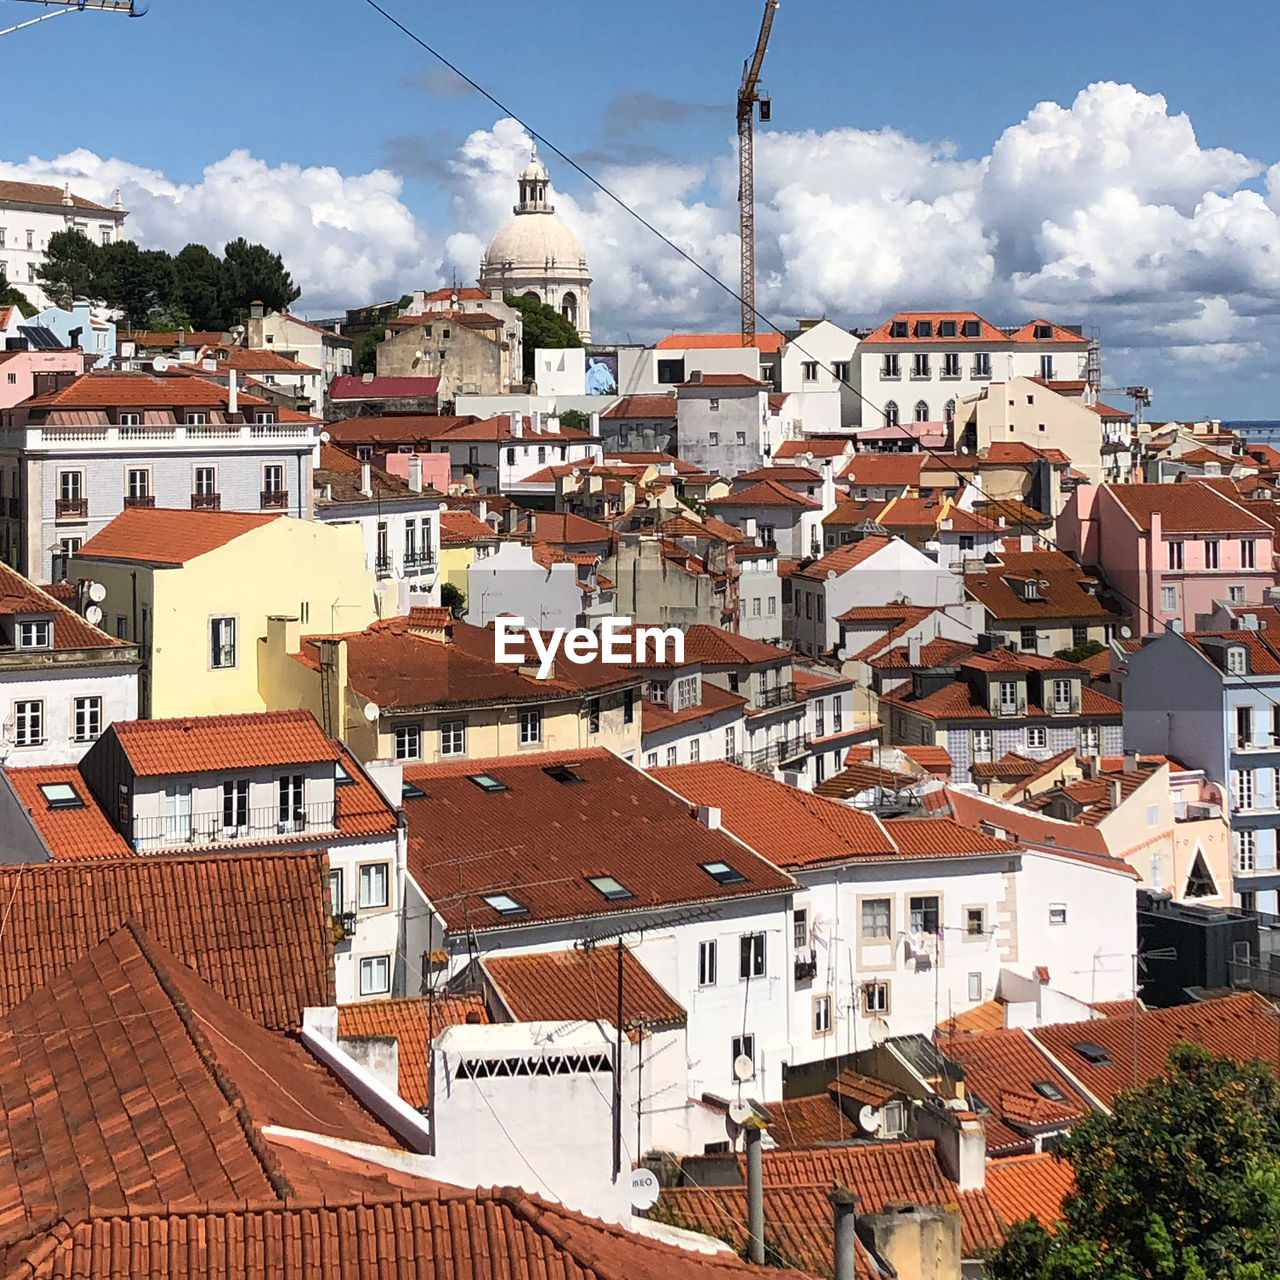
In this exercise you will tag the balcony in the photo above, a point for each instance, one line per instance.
(140, 500)
(272, 822)
(382, 566)
(777, 754)
(206, 502)
(778, 697)
(806, 967)
(274, 499)
(69, 508)
(1248, 742)
(419, 559)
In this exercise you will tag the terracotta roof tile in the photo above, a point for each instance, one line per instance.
(181, 388)
(988, 332)
(355, 387)
(716, 341)
(714, 380)
(930, 837)
(842, 559)
(657, 715)
(1058, 333)
(1184, 508)
(716, 647)
(460, 527)
(411, 1022)
(818, 446)
(643, 407)
(1034, 830)
(884, 468)
(169, 536)
(766, 493)
(999, 587)
(539, 839)
(581, 985)
(254, 926)
(205, 743)
(564, 528)
(69, 833)
(45, 193)
(18, 595)
(1032, 1186)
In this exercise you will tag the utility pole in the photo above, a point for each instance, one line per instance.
(748, 96)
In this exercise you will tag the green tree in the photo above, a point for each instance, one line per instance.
(140, 283)
(1081, 651)
(70, 268)
(544, 327)
(201, 288)
(451, 597)
(1180, 1182)
(253, 273)
(10, 296)
(576, 419)
(367, 351)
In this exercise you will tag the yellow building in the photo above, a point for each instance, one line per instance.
(194, 589)
(464, 537)
(426, 688)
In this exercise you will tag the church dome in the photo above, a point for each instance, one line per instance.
(532, 241)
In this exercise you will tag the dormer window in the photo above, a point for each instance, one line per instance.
(264, 416)
(924, 328)
(1237, 662)
(36, 634)
(1043, 331)
(195, 419)
(898, 329)
(972, 329)
(946, 328)
(1031, 589)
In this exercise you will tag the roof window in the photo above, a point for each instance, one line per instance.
(1047, 1089)
(563, 773)
(487, 782)
(1092, 1053)
(411, 791)
(1043, 331)
(613, 890)
(342, 778)
(972, 329)
(61, 795)
(505, 905)
(946, 328)
(924, 328)
(898, 329)
(723, 873)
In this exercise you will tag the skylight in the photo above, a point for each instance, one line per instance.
(487, 782)
(723, 873)
(411, 791)
(343, 778)
(1047, 1089)
(61, 795)
(505, 905)
(611, 888)
(1092, 1053)
(563, 773)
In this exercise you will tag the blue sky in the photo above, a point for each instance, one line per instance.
(305, 86)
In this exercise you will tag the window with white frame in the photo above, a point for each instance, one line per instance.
(982, 744)
(70, 485)
(291, 814)
(875, 998)
(1090, 739)
(375, 975)
(86, 719)
(1057, 913)
(1242, 788)
(129, 419)
(673, 754)
(1037, 738)
(374, 884)
(335, 890)
(530, 726)
(1211, 553)
(138, 483)
(744, 1046)
(800, 929)
(273, 478)
(235, 804)
(975, 986)
(751, 960)
(28, 723)
(1236, 662)
(1008, 697)
(1248, 554)
(707, 963)
(1235, 595)
(222, 642)
(35, 634)
(1062, 696)
(809, 370)
(205, 482)
(822, 1015)
(453, 737)
(1246, 843)
(1169, 599)
(731, 742)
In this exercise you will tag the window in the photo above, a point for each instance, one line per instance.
(375, 975)
(291, 815)
(982, 744)
(505, 905)
(742, 437)
(713, 438)
(273, 478)
(1090, 739)
(31, 239)
(922, 411)
(951, 364)
(800, 928)
(875, 998)
(37, 634)
(206, 482)
(982, 364)
(1061, 696)
(975, 986)
(1237, 664)
(1242, 788)
(235, 804)
(840, 370)
(1008, 697)
(1211, 557)
(195, 419)
(773, 606)
(1046, 368)
(453, 737)
(86, 719)
(651, 760)
(335, 891)
(511, 457)
(1248, 554)
(670, 371)
(374, 884)
(1079, 635)
(722, 872)
(1235, 595)
(751, 956)
(408, 741)
(265, 417)
(1169, 599)
(967, 542)
(1057, 913)
(1246, 842)
(714, 404)
(612, 889)
(222, 642)
(891, 413)
(877, 915)
(755, 606)
(122, 627)
(809, 370)
(707, 963)
(1037, 738)
(890, 367)
(1027, 639)
(695, 750)
(673, 754)
(28, 723)
(924, 328)
(1175, 555)
(920, 365)
(924, 914)
(819, 718)
(1244, 726)
(138, 483)
(70, 485)
(542, 454)
(975, 922)
(744, 1047)
(530, 727)
(822, 1015)
(730, 742)
(658, 690)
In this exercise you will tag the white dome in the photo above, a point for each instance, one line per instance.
(535, 172)
(529, 241)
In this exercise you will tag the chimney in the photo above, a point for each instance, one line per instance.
(913, 651)
(1130, 761)
(551, 424)
(755, 1191)
(366, 479)
(709, 816)
(233, 392)
(1087, 770)
(1115, 793)
(845, 1205)
(415, 472)
(517, 425)
(959, 1141)
(256, 310)
(696, 376)
(533, 522)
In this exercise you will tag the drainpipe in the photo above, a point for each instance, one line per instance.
(845, 1205)
(755, 1194)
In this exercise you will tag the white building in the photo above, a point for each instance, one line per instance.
(759, 592)
(31, 212)
(298, 340)
(538, 582)
(686, 718)
(820, 358)
(679, 357)
(723, 424)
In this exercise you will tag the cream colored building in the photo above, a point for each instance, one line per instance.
(194, 589)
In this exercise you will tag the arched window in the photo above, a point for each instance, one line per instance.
(569, 308)
(951, 412)
(529, 293)
(891, 414)
(922, 411)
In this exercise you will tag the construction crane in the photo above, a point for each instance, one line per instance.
(748, 96)
(132, 8)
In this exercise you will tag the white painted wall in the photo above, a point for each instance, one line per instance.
(511, 581)
(58, 691)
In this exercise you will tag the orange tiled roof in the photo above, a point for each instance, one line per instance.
(765, 493)
(643, 407)
(70, 630)
(842, 559)
(716, 341)
(884, 468)
(169, 536)
(563, 528)
(716, 647)
(1032, 1186)
(458, 527)
(260, 360)
(723, 380)
(411, 1022)
(997, 588)
(929, 837)
(1033, 829)
(790, 827)
(67, 833)
(254, 926)
(47, 194)
(538, 841)
(657, 715)
(1184, 508)
(818, 446)
(176, 390)
(987, 331)
(581, 985)
(1059, 333)
(259, 739)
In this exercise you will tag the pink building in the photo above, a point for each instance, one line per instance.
(19, 369)
(1169, 551)
(435, 467)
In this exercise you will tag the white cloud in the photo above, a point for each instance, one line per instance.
(1105, 212)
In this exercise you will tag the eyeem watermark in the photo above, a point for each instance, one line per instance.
(618, 641)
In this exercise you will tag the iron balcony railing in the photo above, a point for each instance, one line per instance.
(224, 826)
(418, 559)
(274, 499)
(71, 508)
(776, 697)
(778, 753)
(206, 502)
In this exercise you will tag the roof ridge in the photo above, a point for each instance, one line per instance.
(271, 1167)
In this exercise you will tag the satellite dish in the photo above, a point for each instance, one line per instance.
(739, 1111)
(878, 1030)
(644, 1189)
(371, 711)
(160, 364)
(963, 450)
(869, 1118)
(743, 1068)
(325, 437)
(1126, 632)
(97, 592)
(93, 615)
(1043, 584)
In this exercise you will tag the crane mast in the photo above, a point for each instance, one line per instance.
(748, 96)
